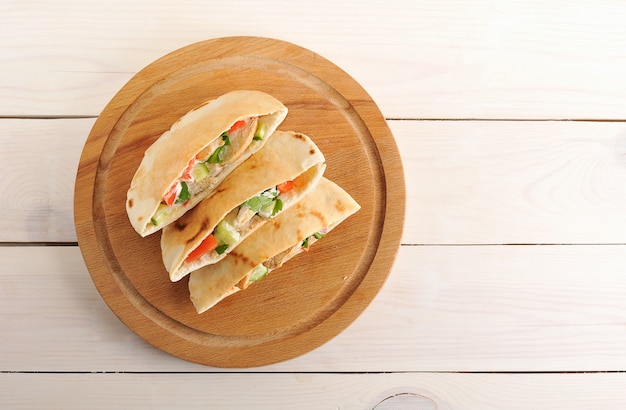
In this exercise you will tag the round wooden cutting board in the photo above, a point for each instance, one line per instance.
(313, 297)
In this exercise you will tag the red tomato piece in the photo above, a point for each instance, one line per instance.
(207, 245)
(188, 172)
(237, 125)
(170, 195)
(285, 187)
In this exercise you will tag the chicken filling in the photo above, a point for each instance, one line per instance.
(203, 170)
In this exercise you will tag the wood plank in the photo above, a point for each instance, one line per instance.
(443, 308)
(416, 391)
(513, 182)
(447, 59)
(39, 159)
(467, 182)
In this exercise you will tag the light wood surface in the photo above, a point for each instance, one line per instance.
(471, 309)
(508, 290)
(558, 182)
(421, 391)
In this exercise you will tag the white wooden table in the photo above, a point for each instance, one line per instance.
(509, 290)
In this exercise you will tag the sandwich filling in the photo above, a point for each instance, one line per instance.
(202, 170)
(275, 262)
(290, 233)
(242, 219)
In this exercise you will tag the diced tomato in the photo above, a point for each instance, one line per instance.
(285, 187)
(237, 125)
(170, 196)
(188, 172)
(207, 245)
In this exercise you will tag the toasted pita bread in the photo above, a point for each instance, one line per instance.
(229, 215)
(279, 240)
(167, 168)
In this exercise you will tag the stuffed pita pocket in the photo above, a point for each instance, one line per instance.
(270, 181)
(187, 162)
(268, 248)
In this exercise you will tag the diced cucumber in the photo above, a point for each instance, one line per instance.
(258, 273)
(225, 233)
(260, 132)
(268, 210)
(160, 214)
(200, 171)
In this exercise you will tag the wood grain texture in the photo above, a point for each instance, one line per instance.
(443, 308)
(314, 391)
(495, 182)
(361, 157)
(445, 59)
(460, 305)
(468, 182)
(39, 161)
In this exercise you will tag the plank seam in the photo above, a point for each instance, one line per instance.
(434, 119)
(311, 372)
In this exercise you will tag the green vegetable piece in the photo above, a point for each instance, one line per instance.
(159, 215)
(278, 206)
(184, 193)
(258, 273)
(260, 132)
(268, 202)
(200, 171)
(217, 155)
(253, 203)
(225, 233)
(318, 235)
(267, 210)
(265, 199)
(221, 248)
(262, 203)
(305, 243)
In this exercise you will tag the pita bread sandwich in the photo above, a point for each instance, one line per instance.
(187, 162)
(270, 181)
(269, 247)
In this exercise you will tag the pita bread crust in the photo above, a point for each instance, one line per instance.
(324, 207)
(165, 160)
(287, 156)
